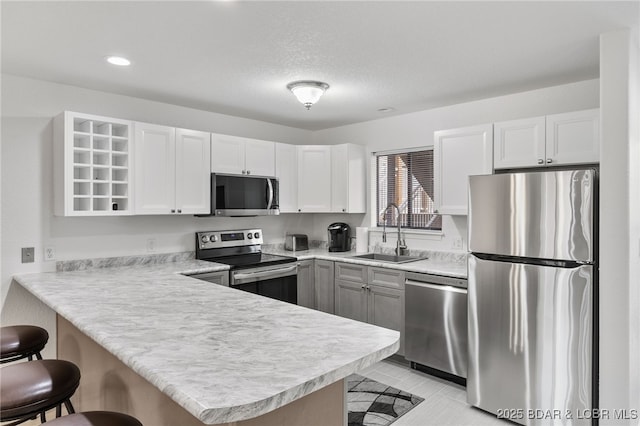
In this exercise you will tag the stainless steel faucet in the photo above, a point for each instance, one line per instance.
(401, 245)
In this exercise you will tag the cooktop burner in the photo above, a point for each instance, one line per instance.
(252, 260)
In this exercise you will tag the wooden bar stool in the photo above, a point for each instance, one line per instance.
(21, 341)
(96, 418)
(28, 389)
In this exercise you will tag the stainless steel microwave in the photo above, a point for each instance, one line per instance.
(234, 195)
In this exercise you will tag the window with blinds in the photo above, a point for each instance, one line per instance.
(406, 179)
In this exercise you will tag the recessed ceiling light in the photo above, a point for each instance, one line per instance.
(386, 109)
(118, 60)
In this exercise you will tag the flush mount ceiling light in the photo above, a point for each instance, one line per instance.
(308, 92)
(118, 60)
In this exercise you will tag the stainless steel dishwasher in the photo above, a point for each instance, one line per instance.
(436, 323)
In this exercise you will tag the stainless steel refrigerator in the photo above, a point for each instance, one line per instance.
(532, 287)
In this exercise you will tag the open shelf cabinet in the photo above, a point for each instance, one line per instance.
(92, 158)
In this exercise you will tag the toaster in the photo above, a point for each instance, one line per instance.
(296, 242)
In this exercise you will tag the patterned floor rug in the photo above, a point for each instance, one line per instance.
(373, 403)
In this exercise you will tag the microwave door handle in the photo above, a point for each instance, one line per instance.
(270, 187)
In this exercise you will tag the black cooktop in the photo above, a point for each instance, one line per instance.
(251, 260)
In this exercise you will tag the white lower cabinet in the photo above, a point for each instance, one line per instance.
(172, 170)
(552, 140)
(458, 154)
(371, 294)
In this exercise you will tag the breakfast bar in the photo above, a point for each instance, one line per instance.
(169, 349)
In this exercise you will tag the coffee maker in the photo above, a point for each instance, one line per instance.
(339, 237)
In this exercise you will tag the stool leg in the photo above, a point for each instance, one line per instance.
(30, 357)
(70, 409)
(43, 417)
(38, 355)
(58, 410)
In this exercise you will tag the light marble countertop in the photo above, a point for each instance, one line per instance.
(438, 263)
(222, 354)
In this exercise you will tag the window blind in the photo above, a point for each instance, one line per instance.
(406, 179)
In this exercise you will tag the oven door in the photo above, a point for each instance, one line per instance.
(278, 282)
(243, 195)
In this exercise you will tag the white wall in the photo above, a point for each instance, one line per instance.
(620, 222)
(28, 107)
(416, 130)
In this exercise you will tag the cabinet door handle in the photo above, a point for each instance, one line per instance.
(540, 161)
(248, 172)
(244, 172)
(173, 210)
(549, 161)
(299, 210)
(179, 210)
(344, 210)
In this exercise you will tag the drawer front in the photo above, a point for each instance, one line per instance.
(386, 277)
(351, 272)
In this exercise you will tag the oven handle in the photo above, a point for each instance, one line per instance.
(271, 273)
(270, 185)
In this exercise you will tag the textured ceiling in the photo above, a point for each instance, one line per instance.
(237, 57)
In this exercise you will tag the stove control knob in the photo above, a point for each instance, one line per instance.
(256, 235)
(249, 235)
(205, 239)
(213, 238)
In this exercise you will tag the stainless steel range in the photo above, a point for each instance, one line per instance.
(251, 270)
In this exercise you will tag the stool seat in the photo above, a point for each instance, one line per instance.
(21, 341)
(29, 388)
(95, 418)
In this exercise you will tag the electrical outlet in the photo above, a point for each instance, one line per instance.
(151, 245)
(457, 243)
(49, 253)
(27, 255)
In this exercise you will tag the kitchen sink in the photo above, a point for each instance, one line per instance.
(391, 258)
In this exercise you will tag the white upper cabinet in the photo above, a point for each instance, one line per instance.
(193, 172)
(573, 137)
(260, 157)
(238, 155)
(172, 170)
(314, 178)
(227, 154)
(519, 143)
(92, 165)
(348, 179)
(560, 139)
(155, 172)
(287, 174)
(458, 154)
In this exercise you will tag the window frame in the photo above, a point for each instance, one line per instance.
(426, 232)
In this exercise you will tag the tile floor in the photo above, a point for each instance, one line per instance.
(444, 402)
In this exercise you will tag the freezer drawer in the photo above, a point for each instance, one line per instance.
(543, 215)
(530, 338)
(436, 324)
